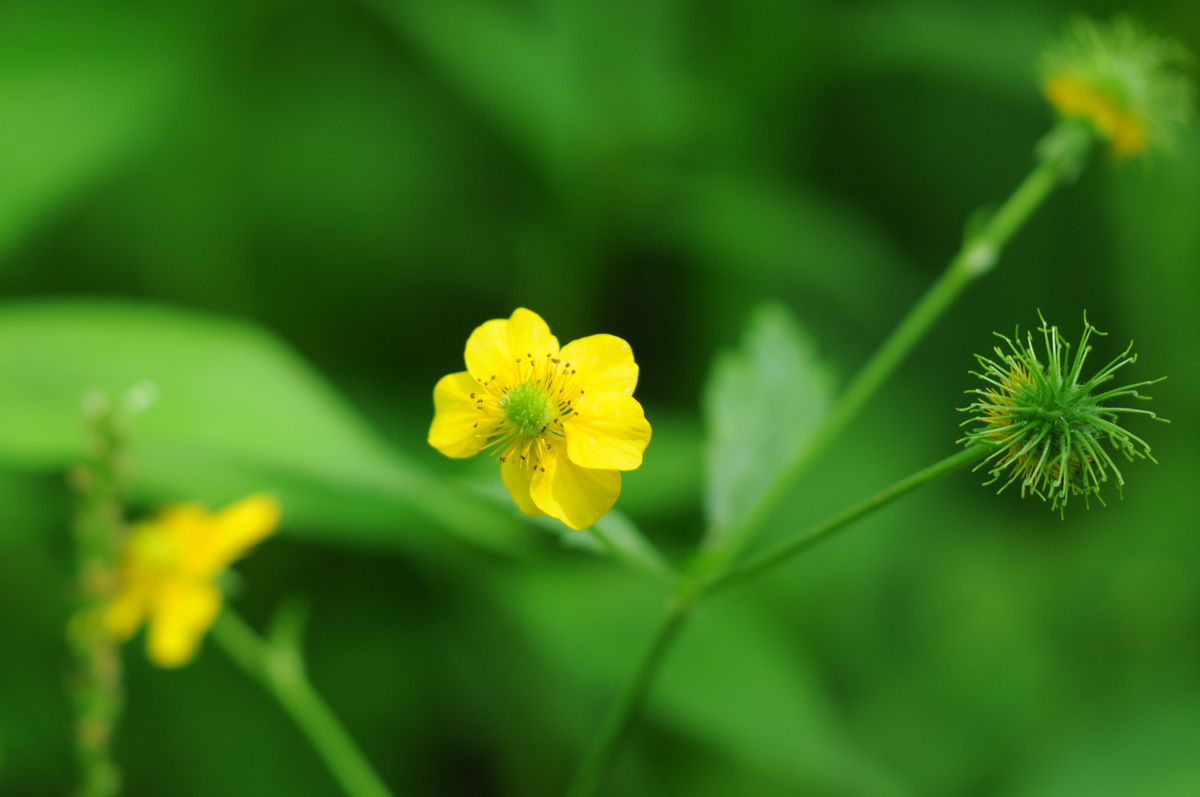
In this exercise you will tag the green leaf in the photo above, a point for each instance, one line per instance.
(237, 412)
(762, 404)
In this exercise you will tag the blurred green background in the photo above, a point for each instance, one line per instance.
(290, 215)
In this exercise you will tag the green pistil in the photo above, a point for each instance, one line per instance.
(527, 410)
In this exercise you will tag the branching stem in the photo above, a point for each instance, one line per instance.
(1061, 156)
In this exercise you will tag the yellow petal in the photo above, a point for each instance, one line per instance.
(529, 336)
(234, 530)
(459, 427)
(182, 614)
(576, 496)
(607, 431)
(159, 543)
(494, 348)
(517, 476)
(604, 364)
(127, 609)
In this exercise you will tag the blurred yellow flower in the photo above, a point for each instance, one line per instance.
(563, 422)
(1126, 83)
(1073, 97)
(168, 571)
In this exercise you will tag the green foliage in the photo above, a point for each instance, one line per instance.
(236, 412)
(337, 193)
(762, 404)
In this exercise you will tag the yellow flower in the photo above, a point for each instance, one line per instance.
(168, 571)
(563, 422)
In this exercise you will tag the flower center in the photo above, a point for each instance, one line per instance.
(1075, 97)
(527, 409)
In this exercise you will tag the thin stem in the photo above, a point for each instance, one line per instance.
(279, 669)
(784, 550)
(1060, 161)
(99, 526)
(1061, 156)
(627, 706)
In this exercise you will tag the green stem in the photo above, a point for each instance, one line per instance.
(1062, 153)
(99, 526)
(279, 669)
(627, 706)
(624, 711)
(785, 549)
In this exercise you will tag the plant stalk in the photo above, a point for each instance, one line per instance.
(98, 529)
(280, 670)
(625, 709)
(1061, 155)
(784, 550)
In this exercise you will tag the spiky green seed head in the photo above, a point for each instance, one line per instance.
(1050, 427)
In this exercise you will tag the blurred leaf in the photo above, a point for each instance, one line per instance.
(735, 681)
(81, 89)
(777, 235)
(1150, 748)
(762, 403)
(237, 412)
(739, 681)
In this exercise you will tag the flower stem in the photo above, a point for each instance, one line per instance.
(627, 706)
(1061, 155)
(98, 527)
(785, 549)
(280, 670)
